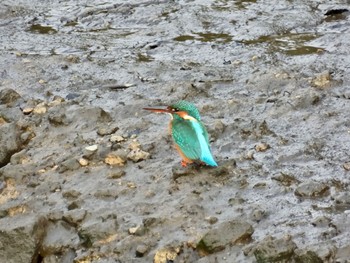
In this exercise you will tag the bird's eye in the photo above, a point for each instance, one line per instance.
(175, 109)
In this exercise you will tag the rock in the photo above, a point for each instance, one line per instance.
(40, 108)
(59, 236)
(322, 80)
(70, 164)
(114, 160)
(8, 96)
(107, 130)
(137, 231)
(109, 193)
(57, 117)
(115, 174)
(71, 194)
(141, 250)
(10, 142)
(165, 255)
(98, 226)
(312, 190)
(346, 166)
(27, 110)
(117, 138)
(226, 233)
(262, 147)
(211, 219)
(138, 155)
(285, 179)
(83, 162)
(21, 237)
(343, 254)
(274, 250)
(92, 148)
(302, 256)
(75, 216)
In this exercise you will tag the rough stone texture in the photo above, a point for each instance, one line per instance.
(10, 142)
(312, 190)
(21, 237)
(226, 233)
(274, 250)
(59, 237)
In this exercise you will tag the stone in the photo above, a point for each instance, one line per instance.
(115, 174)
(10, 142)
(226, 233)
(21, 237)
(98, 226)
(70, 164)
(114, 160)
(137, 231)
(102, 131)
(302, 256)
(167, 254)
(8, 96)
(322, 80)
(274, 250)
(92, 148)
(141, 250)
(117, 138)
(59, 235)
(75, 216)
(138, 155)
(312, 190)
(83, 162)
(262, 147)
(40, 108)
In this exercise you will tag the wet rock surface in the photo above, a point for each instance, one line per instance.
(87, 176)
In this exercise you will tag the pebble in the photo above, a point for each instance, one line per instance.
(166, 255)
(138, 155)
(107, 130)
(40, 109)
(92, 148)
(262, 147)
(137, 231)
(83, 162)
(114, 160)
(115, 174)
(27, 110)
(117, 138)
(322, 80)
(346, 166)
(141, 250)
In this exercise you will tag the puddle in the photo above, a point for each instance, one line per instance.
(206, 37)
(291, 44)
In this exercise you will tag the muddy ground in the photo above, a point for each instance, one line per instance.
(88, 176)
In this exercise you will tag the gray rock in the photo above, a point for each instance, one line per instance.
(21, 237)
(107, 130)
(75, 216)
(98, 226)
(302, 256)
(10, 142)
(312, 190)
(70, 164)
(141, 250)
(8, 96)
(59, 237)
(227, 233)
(274, 250)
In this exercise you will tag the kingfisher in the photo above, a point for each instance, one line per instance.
(188, 132)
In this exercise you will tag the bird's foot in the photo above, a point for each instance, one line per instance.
(183, 163)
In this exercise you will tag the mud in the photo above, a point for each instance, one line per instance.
(88, 176)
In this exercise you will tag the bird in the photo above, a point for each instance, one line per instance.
(188, 132)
